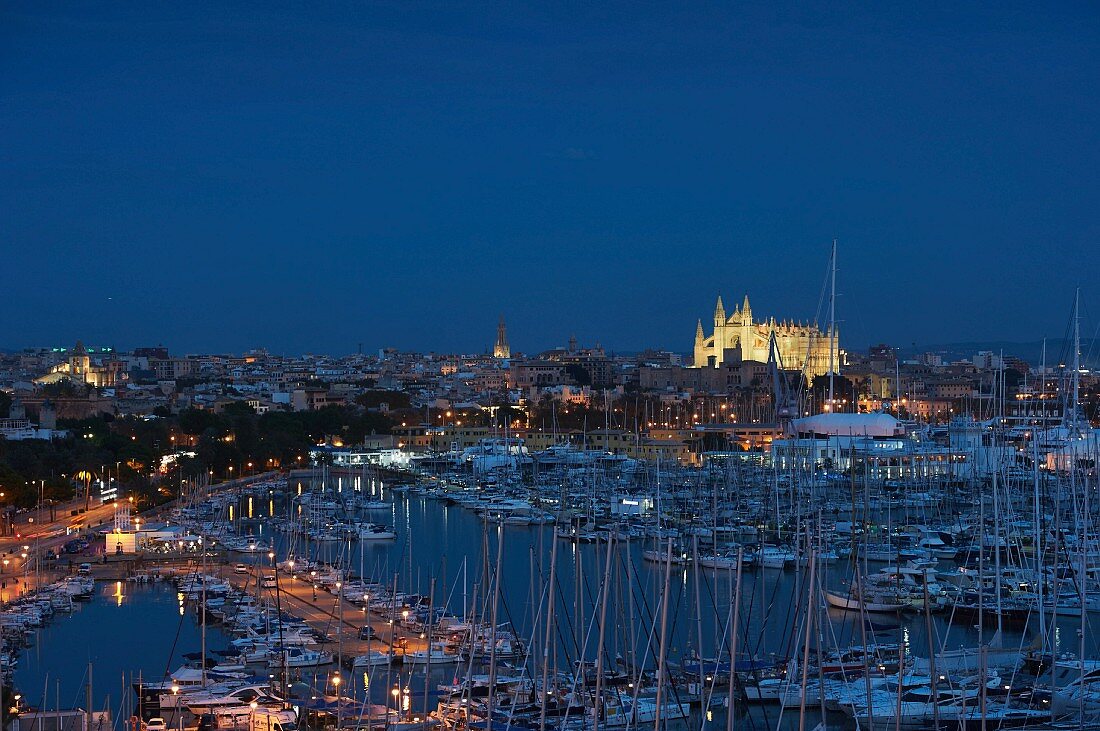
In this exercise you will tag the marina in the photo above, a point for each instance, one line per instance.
(569, 604)
(863, 571)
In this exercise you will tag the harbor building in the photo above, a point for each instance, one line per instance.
(875, 444)
(737, 338)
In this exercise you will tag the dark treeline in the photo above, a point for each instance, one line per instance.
(151, 456)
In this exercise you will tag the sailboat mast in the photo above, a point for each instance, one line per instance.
(832, 326)
(1076, 350)
(549, 635)
(202, 546)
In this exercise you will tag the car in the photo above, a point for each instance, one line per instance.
(208, 722)
(156, 723)
(366, 632)
(85, 569)
(240, 569)
(269, 582)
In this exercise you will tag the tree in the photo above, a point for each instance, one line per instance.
(197, 421)
(236, 409)
(508, 416)
(375, 398)
(579, 374)
(63, 389)
(844, 393)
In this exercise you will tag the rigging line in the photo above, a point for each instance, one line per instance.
(179, 628)
(562, 644)
(803, 385)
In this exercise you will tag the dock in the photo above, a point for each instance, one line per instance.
(336, 618)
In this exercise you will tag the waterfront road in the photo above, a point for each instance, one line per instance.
(22, 555)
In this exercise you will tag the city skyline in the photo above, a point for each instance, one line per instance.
(225, 178)
(535, 341)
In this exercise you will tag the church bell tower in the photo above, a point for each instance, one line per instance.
(501, 349)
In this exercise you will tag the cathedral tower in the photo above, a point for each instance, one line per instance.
(501, 349)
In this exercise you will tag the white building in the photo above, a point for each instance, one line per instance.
(877, 443)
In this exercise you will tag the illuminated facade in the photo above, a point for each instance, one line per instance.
(737, 338)
(501, 349)
(105, 372)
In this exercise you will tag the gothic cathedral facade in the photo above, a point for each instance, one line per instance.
(737, 338)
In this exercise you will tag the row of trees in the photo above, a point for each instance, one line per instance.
(150, 457)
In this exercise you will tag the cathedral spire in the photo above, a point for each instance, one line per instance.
(501, 349)
(746, 310)
(699, 331)
(719, 312)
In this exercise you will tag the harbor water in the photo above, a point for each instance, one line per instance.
(136, 631)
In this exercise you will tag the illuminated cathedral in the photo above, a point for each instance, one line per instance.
(737, 338)
(103, 372)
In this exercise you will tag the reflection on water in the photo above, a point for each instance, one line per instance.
(128, 631)
(139, 630)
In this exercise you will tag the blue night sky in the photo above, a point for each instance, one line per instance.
(221, 176)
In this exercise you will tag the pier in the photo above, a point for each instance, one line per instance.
(338, 619)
